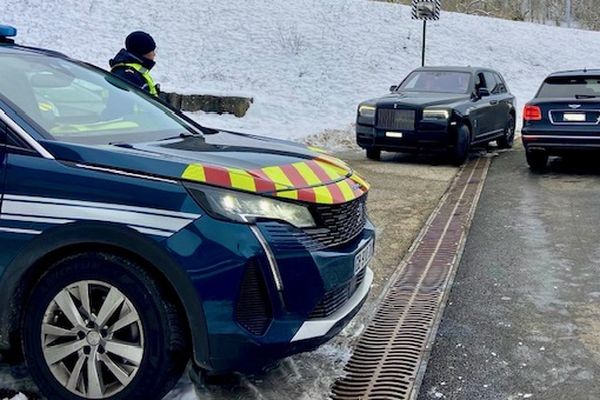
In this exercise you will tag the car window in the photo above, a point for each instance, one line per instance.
(479, 82)
(490, 82)
(577, 87)
(501, 86)
(72, 102)
(437, 81)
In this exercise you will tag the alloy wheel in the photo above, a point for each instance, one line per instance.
(92, 339)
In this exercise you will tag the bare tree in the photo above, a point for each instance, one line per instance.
(585, 13)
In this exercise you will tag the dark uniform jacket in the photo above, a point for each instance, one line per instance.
(128, 73)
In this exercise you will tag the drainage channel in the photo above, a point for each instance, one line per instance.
(390, 357)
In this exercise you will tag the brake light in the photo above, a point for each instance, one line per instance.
(532, 113)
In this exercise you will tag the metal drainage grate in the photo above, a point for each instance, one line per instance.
(389, 359)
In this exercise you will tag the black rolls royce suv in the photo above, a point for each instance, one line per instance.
(563, 117)
(449, 108)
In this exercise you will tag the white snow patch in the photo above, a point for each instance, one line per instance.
(306, 63)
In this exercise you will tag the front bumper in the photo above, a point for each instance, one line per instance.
(427, 136)
(293, 278)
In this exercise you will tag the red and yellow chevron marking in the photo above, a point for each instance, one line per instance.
(324, 180)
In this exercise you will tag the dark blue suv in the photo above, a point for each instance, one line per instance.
(133, 239)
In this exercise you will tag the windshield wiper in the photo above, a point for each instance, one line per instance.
(182, 135)
(585, 96)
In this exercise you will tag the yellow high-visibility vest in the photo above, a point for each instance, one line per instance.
(145, 72)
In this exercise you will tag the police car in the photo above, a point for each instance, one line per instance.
(132, 239)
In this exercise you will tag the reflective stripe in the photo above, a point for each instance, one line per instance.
(280, 179)
(346, 190)
(309, 175)
(321, 180)
(242, 180)
(194, 172)
(145, 74)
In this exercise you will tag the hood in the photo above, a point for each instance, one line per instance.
(420, 99)
(252, 164)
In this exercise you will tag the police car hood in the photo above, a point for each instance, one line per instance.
(229, 160)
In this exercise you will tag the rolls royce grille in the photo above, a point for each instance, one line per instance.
(392, 119)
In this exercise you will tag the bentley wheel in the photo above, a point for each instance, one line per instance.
(537, 160)
(97, 328)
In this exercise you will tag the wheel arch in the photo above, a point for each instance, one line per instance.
(30, 265)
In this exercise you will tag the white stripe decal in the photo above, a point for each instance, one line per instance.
(23, 231)
(152, 231)
(109, 206)
(24, 218)
(94, 214)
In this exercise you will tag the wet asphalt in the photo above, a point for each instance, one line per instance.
(523, 316)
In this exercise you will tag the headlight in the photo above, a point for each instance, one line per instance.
(366, 111)
(246, 208)
(439, 114)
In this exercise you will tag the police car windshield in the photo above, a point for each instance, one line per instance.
(72, 102)
(437, 81)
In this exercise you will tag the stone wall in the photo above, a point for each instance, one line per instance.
(235, 105)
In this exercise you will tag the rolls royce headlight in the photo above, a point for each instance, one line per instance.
(436, 114)
(247, 208)
(366, 111)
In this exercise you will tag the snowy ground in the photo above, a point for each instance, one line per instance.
(307, 63)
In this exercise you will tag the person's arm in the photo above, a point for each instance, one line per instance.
(132, 76)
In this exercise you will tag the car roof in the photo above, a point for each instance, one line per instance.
(470, 70)
(12, 48)
(575, 73)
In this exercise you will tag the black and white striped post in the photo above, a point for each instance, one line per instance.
(426, 10)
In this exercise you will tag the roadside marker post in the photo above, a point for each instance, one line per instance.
(426, 10)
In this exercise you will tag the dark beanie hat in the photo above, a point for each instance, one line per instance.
(139, 43)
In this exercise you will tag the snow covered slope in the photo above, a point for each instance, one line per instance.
(307, 63)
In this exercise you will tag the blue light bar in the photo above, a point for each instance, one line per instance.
(7, 31)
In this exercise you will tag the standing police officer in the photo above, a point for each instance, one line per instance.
(134, 62)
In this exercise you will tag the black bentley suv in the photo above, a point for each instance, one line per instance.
(448, 108)
(563, 117)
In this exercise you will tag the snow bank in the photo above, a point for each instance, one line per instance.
(307, 63)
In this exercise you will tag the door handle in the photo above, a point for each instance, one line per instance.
(493, 102)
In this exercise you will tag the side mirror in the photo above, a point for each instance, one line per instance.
(393, 88)
(483, 92)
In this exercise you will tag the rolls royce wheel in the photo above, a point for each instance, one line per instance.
(97, 327)
(374, 154)
(507, 139)
(460, 152)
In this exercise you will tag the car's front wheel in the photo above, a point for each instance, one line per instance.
(374, 154)
(537, 160)
(508, 138)
(98, 327)
(460, 151)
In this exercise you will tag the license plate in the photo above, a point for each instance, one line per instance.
(397, 135)
(574, 117)
(362, 258)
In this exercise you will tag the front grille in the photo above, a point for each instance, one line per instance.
(334, 299)
(253, 309)
(338, 223)
(393, 119)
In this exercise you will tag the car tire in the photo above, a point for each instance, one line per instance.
(132, 334)
(374, 154)
(537, 160)
(507, 139)
(460, 152)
